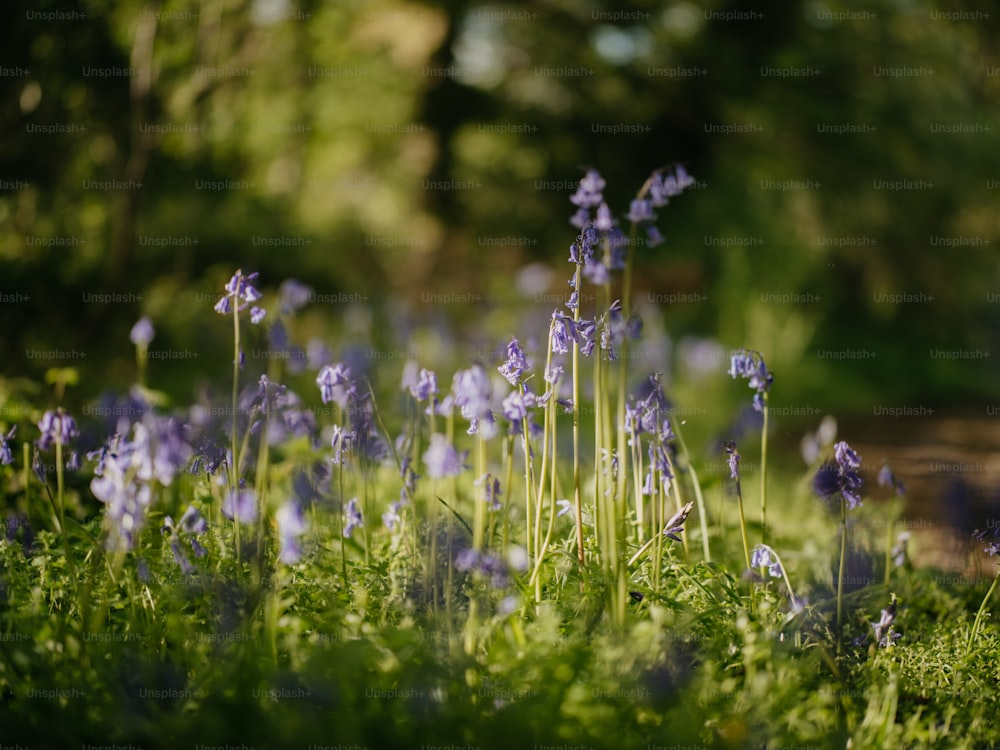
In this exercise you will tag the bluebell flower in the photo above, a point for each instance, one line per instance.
(425, 387)
(517, 405)
(587, 332)
(750, 365)
(484, 563)
(641, 210)
(603, 222)
(596, 273)
(885, 636)
(391, 517)
(763, 556)
(676, 523)
(562, 333)
(565, 506)
(291, 525)
(352, 513)
(589, 192)
(840, 478)
(257, 314)
(239, 291)
(142, 332)
(471, 390)
(887, 479)
(240, 505)
(6, 457)
(341, 441)
(734, 459)
(653, 236)
(335, 385)
(515, 363)
(56, 425)
(441, 458)
(491, 490)
(992, 536)
(293, 295)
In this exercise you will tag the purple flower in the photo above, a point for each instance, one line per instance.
(562, 333)
(884, 634)
(589, 193)
(565, 506)
(471, 389)
(239, 290)
(603, 222)
(491, 490)
(484, 563)
(341, 442)
(750, 366)
(240, 505)
(294, 295)
(142, 332)
(425, 386)
(334, 383)
(993, 547)
(641, 210)
(887, 479)
(734, 459)
(515, 407)
(515, 364)
(6, 457)
(841, 478)
(763, 556)
(596, 273)
(587, 330)
(352, 512)
(676, 524)
(257, 314)
(653, 236)
(56, 426)
(291, 525)
(441, 458)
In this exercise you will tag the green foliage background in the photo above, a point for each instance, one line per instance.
(339, 122)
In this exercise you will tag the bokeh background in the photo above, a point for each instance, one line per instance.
(412, 163)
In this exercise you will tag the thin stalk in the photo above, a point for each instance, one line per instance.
(982, 611)
(763, 475)
(577, 499)
(843, 557)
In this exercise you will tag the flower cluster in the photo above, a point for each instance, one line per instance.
(750, 366)
(56, 426)
(240, 293)
(840, 478)
(127, 471)
(763, 556)
(353, 517)
(992, 539)
(485, 563)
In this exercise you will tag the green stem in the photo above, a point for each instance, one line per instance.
(743, 524)
(843, 557)
(577, 499)
(982, 611)
(763, 476)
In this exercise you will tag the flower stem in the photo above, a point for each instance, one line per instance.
(763, 476)
(982, 611)
(843, 557)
